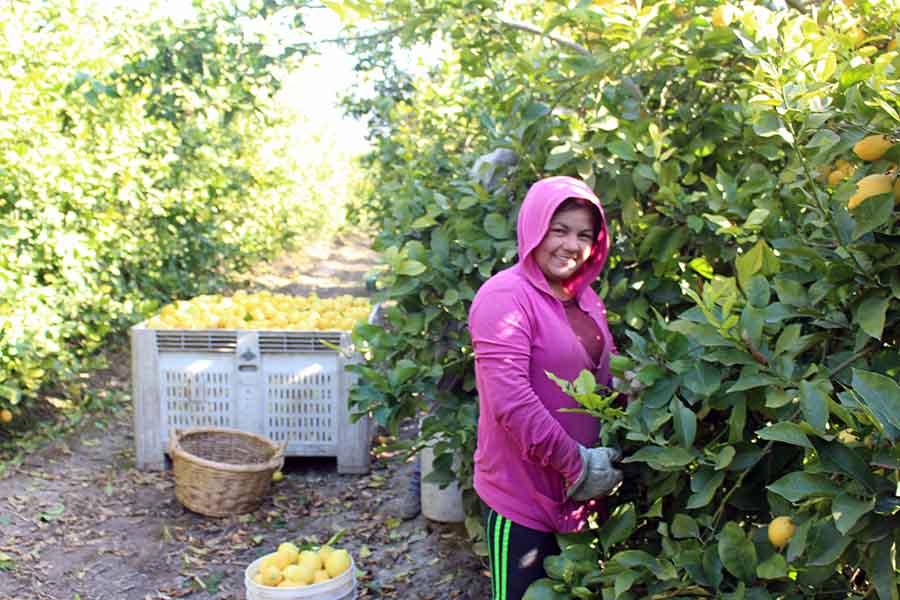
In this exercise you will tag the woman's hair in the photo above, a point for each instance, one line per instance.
(573, 203)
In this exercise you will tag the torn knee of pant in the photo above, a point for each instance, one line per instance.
(528, 559)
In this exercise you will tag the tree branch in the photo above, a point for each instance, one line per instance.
(561, 41)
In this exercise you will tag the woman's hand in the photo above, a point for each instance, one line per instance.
(598, 477)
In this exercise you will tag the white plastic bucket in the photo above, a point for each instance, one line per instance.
(443, 505)
(342, 587)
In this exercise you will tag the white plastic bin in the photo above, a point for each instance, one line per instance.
(289, 386)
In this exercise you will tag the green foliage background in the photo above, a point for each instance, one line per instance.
(762, 314)
(141, 161)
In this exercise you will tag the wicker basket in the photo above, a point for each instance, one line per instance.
(221, 472)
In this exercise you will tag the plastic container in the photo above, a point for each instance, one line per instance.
(342, 587)
(442, 505)
(289, 386)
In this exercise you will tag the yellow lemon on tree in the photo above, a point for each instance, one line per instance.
(271, 576)
(337, 563)
(277, 476)
(781, 529)
(871, 185)
(872, 147)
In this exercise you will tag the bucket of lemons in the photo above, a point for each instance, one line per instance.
(323, 573)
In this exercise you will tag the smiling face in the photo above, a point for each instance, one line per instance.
(566, 246)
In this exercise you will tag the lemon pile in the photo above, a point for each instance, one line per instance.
(263, 310)
(289, 567)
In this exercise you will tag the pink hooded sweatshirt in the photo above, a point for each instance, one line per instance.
(527, 450)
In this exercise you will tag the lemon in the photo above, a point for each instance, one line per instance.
(271, 576)
(310, 559)
(868, 186)
(781, 529)
(298, 574)
(6, 416)
(289, 584)
(282, 559)
(290, 551)
(321, 576)
(267, 561)
(258, 578)
(872, 147)
(324, 552)
(337, 563)
(277, 476)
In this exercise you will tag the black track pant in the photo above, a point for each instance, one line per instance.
(517, 556)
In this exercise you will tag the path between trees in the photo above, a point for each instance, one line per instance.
(80, 522)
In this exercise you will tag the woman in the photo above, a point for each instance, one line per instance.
(534, 465)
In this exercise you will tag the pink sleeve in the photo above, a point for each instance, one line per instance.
(501, 338)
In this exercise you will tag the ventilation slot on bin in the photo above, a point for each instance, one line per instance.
(195, 341)
(197, 399)
(301, 408)
(306, 341)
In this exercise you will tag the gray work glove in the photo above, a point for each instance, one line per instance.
(598, 477)
(489, 169)
(630, 384)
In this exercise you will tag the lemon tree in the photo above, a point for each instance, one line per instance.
(756, 295)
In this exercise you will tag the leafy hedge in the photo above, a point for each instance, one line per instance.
(141, 160)
(761, 312)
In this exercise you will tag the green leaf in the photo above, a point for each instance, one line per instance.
(704, 484)
(826, 544)
(787, 339)
(759, 259)
(737, 552)
(684, 526)
(797, 545)
(558, 157)
(724, 457)
(774, 567)
(881, 568)
(622, 149)
(881, 395)
(846, 510)
(410, 268)
(543, 589)
(836, 457)
(872, 214)
(870, 315)
(786, 432)
(769, 124)
(799, 485)
(618, 527)
(814, 403)
(495, 226)
(659, 458)
(440, 245)
(685, 422)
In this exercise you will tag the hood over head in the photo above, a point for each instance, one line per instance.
(541, 201)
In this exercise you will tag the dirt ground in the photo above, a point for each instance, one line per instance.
(78, 521)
